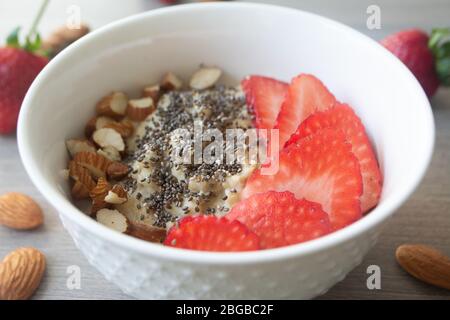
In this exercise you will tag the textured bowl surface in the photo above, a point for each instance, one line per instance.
(242, 39)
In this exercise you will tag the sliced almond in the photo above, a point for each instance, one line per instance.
(98, 195)
(117, 170)
(146, 232)
(111, 153)
(107, 137)
(19, 211)
(79, 191)
(21, 272)
(94, 162)
(117, 195)
(90, 127)
(101, 189)
(171, 82)
(77, 145)
(113, 219)
(96, 123)
(82, 175)
(114, 105)
(425, 263)
(139, 109)
(205, 78)
(125, 127)
(153, 92)
(103, 122)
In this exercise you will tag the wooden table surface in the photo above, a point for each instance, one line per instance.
(424, 218)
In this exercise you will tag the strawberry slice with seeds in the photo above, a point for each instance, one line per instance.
(280, 219)
(264, 97)
(344, 118)
(320, 168)
(306, 95)
(211, 233)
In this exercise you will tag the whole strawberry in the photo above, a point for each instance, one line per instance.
(19, 65)
(18, 68)
(427, 57)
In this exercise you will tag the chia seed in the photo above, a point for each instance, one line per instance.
(217, 109)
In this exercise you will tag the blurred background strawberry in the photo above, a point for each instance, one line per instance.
(428, 57)
(20, 63)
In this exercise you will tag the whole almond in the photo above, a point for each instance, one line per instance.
(21, 273)
(19, 211)
(425, 263)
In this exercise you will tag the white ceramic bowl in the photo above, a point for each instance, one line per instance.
(242, 39)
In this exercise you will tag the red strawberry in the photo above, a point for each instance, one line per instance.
(344, 118)
(306, 95)
(211, 233)
(265, 97)
(19, 65)
(18, 68)
(280, 219)
(320, 168)
(411, 47)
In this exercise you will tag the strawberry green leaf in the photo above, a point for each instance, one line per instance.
(443, 70)
(437, 35)
(13, 38)
(439, 44)
(33, 45)
(443, 51)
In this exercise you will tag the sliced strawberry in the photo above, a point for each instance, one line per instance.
(320, 168)
(306, 95)
(280, 219)
(265, 97)
(344, 118)
(211, 233)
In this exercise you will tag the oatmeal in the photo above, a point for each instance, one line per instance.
(183, 167)
(165, 183)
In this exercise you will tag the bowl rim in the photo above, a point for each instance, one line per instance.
(68, 210)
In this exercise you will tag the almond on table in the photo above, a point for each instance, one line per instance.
(21, 272)
(19, 211)
(425, 263)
